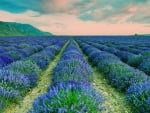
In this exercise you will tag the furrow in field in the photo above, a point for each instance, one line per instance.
(114, 99)
(41, 88)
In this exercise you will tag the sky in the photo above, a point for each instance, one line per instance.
(80, 17)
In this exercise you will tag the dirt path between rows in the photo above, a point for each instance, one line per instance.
(41, 88)
(114, 99)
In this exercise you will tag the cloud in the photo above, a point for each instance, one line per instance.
(114, 11)
(64, 6)
(147, 25)
(106, 10)
(21, 6)
(80, 16)
(71, 25)
(142, 15)
(42, 6)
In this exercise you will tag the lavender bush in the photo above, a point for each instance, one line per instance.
(138, 95)
(71, 97)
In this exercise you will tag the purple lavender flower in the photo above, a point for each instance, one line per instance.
(138, 95)
(68, 97)
(15, 80)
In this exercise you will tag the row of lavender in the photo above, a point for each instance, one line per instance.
(136, 47)
(140, 60)
(71, 90)
(13, 49)
(125, 42)
(122, 76)
(19, 77)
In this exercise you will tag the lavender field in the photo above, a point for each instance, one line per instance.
(78, 74)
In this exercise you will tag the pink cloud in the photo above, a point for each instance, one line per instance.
(63, 24)
(132, 9)
(60, 6)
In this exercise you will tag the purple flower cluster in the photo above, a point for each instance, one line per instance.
(71, 97)
(135, 60)
(23, 48)
(71, 91)
(138, 96)
(134, 82)
(15, 55)
(18, 77)
(118, 73)
(126, 56)
(43, 58)
(9, 93)
(2, 49)
(72, 68)
(145, 66)
(26, 67)
(14, 80)
(5, 59)
(12, 86)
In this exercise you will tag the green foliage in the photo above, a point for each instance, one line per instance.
(24, 67)
(16, 29)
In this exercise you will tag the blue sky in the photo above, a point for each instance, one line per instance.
(76, 16)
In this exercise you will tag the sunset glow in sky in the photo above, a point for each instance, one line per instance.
(80, 17)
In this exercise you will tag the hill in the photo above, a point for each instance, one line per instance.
(141, 34)
(18, 29)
